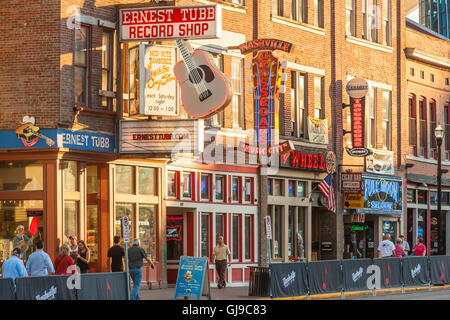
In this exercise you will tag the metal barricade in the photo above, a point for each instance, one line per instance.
(259, 282)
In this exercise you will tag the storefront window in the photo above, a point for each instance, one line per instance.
(220, 225)
(29, 214)
(248, 237)
(411, 196)
(21, 175)
(300, 189)
(92, 230)
(124, 179)
(219, 187)
(277, 189)
(391, 228)
(172, 184)
(148, 181)
(174, 237)
(291, 188)
(71, 218)
(422, 224)
(291, 231)
(205, 232)
(277, 233)
(122, 210)
(204, 187)
(422, 196)
(270, 187)
(235, 237)
(92, 178)
(235, 188)
(147, 229)
(248, 189)
(70, 175)
(187, 185)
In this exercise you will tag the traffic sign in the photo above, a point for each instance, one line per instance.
(268, 228)
(126, 229)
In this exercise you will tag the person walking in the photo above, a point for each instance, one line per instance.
(405, 245)
(221, 252)
(136, 254)
(21, 241)
(386, 248)
(39, 262)
(115, 256)
(399, 251)
(13, 267)
(63, 261)
(83, 257)
(352, 246)
(420, 249)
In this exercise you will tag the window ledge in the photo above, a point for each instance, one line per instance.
(368, 44)
(304, 143)
(298, 25)
(226, 5)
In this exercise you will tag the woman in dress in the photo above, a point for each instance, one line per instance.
(83, 257)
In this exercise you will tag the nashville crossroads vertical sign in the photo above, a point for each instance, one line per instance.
(178, 22)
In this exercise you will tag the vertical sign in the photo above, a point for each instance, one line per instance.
(268, 228)
(126, 229)
(265, 70)
(160, 87)
(357, 106)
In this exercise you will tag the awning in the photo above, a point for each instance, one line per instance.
(419, 178)
(380, 212)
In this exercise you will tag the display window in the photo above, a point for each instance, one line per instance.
(21, 175)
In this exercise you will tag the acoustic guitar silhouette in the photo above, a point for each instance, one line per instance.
(205, 90)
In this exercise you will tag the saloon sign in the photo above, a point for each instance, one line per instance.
(304, 160)
(179, 22)
(382, 195)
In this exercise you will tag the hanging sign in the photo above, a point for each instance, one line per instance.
(382, 195)
(380, 162)
(164, 23)
(268, 228)
(304, 159)
(265, 44)
(318, 130)
(357, 106)
(357, 88)
(331, 162)
(353, 201)
(160, 90)
(351, 183)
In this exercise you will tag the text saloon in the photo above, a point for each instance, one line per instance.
(188, 22)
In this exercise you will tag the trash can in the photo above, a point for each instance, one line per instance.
(259, 282)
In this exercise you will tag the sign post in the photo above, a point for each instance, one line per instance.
(126, 240)
(268, 235)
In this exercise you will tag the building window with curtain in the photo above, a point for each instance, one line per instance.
(299, 10)
(318, 98)
(70, 176)
(235, 236)
(423, 140)
(171, 184)
(107, 67)
(369, 12)
(298, 104)
(124, 177)
(237, 88)
(371, 118)
(318, 13)
(433, 151)
(187, 185)
(204, 186)
(277, 7)
(235, 183)
(81, 65)
(412, 125)
(220, 188)
(350, 18)
(387, 22)
(386, 126)
(248, 237)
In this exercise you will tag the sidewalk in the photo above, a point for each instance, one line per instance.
(229, 293)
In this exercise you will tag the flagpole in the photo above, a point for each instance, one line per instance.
(307, 196)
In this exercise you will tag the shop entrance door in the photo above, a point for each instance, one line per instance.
(364, 237)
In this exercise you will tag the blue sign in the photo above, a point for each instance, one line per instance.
(382, 195)
(55, 138)
(191, 277)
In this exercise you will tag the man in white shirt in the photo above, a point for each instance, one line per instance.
(386, 247)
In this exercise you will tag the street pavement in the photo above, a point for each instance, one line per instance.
(229, 293)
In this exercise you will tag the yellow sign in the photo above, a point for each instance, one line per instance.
(354, 201)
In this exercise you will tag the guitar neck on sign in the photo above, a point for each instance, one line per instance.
(205, 90)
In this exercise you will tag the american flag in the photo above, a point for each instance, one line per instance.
(326, 186)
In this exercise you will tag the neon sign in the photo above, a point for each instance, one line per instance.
(357, 113)
(304, 160)
(359, 228)
(382, 193)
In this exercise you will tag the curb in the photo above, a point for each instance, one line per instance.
(360, 293)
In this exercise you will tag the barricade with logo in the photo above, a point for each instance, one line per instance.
(7, 289)
(390, 271)
(439, 272)
(103, 286)
(355, 274)
(415, 271)
(288, 279)
(44, 288)
(324, 276)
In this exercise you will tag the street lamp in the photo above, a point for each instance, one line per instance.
(439, 134)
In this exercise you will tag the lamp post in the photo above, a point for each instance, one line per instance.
(439, 134)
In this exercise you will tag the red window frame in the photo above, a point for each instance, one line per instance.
(413, 118)
(423, 137)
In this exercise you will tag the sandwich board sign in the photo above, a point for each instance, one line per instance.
(193, 278)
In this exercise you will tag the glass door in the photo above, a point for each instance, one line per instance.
(174, 236)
